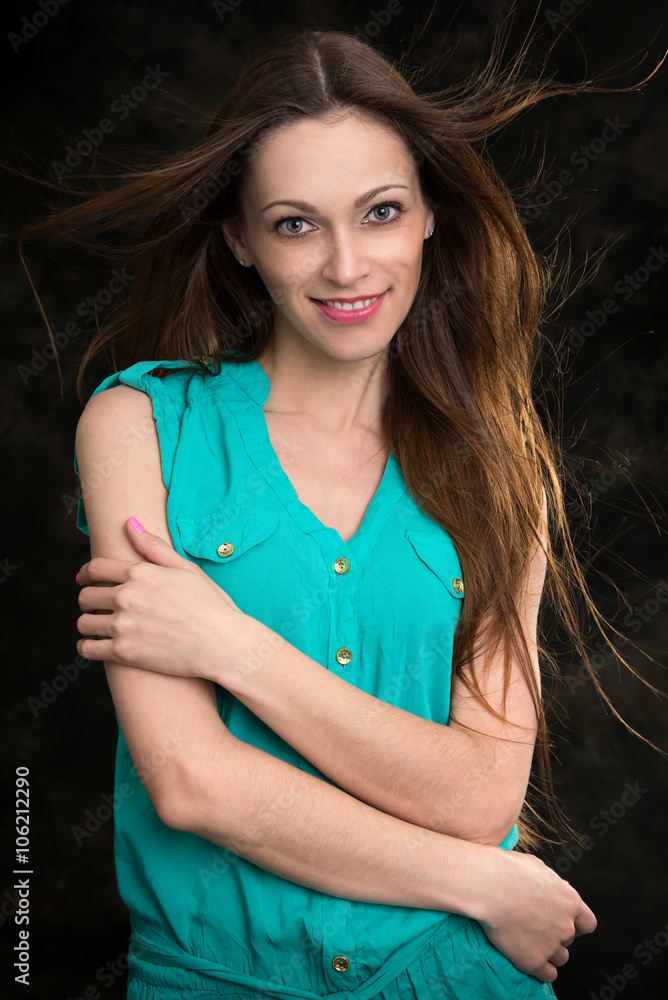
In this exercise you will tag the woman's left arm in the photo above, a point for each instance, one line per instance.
(467, 779)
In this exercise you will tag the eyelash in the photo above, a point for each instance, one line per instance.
(299, 218)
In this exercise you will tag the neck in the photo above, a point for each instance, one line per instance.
(340, 396)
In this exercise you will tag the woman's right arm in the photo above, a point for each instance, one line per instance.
(273, 814)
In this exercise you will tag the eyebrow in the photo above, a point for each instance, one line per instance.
(359, 202)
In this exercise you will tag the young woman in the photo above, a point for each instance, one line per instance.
(319, 503)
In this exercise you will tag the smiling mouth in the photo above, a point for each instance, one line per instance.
(350, 305)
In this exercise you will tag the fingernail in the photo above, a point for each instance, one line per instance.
(136, 524)
(77, 577)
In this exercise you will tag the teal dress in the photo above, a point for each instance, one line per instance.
(380, 610)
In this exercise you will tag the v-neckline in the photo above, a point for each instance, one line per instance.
(254, 380)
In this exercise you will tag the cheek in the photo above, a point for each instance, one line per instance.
(406, 262)
(408, 248)
(288, 272)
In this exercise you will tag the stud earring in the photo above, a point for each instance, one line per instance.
(241, 261)
(431, 232)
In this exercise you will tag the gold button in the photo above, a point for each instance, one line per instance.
(226, 549)
(340, 963)
(458, 585)
(344, 655)
(205, 359)
(342, 565)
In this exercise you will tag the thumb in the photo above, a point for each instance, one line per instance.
(151, 546)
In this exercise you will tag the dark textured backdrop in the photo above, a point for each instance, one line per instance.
(69, 73)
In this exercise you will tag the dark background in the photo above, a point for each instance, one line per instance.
(64, 80)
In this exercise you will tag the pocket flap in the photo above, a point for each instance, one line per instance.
(226, 532)
(438, 553)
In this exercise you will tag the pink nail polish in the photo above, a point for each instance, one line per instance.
(77, 578)
(136, 524)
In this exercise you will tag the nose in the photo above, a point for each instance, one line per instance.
(346, 262)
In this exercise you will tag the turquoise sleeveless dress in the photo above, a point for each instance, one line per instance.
(381, 611)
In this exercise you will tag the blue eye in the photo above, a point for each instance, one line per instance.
(380, 222)
(280, 223)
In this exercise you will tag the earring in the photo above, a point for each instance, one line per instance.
(241, 261)
(431, 232)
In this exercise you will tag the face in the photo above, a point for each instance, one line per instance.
(333, 213)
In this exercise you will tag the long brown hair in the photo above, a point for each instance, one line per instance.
(461, 414)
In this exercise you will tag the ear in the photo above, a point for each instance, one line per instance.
(234, 239)
(431, 219)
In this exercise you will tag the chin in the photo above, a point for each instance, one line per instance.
(353, 350)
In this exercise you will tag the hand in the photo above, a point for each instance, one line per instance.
(532, 915)
(165, 615)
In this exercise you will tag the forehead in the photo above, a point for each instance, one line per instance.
(347, 152)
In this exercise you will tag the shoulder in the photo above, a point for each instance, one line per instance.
(117, 399)
(112, 413)
(139, 391)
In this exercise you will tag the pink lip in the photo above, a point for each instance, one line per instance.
(351, 315)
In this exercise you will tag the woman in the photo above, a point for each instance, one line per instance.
(321, 640)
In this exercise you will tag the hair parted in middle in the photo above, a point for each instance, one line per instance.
(461, 416)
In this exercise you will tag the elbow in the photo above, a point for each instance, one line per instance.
(495, 818)
(173, 809)
(488, 830)
(495, 834)
(486, 819)
(173, 797)
(493, 821)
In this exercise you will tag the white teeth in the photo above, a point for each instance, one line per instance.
(349, 306)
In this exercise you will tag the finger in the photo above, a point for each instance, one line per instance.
(153, 547)
(570, 941)
(94, 625)
(106, 648)
(546, 973)
(95, 649)
(97, 598)
(560, 956)
(585, 921)
(102, 569)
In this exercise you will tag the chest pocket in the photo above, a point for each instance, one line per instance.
(224, 534)
(438, 553)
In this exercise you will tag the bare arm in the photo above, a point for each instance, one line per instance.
(323, 837)
(443, 778)
(283, 819)
(468, 784)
